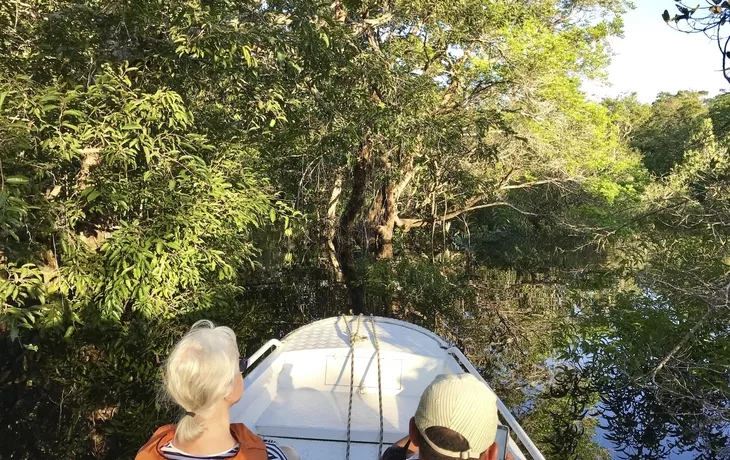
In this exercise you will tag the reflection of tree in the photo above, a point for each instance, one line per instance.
(567, 412)
(649, 410)
(657, 337)
(514, 325)
(571, 352)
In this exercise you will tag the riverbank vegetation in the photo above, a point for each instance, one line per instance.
(264, 164)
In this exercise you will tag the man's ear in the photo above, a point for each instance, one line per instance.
(412, 431)
(491, 453)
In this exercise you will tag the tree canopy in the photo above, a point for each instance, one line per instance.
(264, 164)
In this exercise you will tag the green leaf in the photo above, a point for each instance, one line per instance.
(93, 195)
(247, 55)
(666, 16)
(272, 215)
(70, 126)
(75, 113)
(16, 180)
(131, 126)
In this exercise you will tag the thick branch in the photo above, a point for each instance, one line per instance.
(384, 212)
(472, 205)
(407, 224)
(339, 13)
(409, 170)
(534, 183)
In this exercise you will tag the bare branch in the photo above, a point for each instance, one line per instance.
(709, 25)
(407, 224)
(681, 343)
(688, 336)
(534, 183)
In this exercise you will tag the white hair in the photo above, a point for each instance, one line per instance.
(200, 372)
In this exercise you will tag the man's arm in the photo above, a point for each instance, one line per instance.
(411, 449)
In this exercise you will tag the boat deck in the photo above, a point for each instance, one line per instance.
(299, 394)
(300, 414)
(329, 450)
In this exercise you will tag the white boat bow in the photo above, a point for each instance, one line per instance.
(300, 394)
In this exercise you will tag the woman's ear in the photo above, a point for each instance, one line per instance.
(412, 430)
(236, 391)
(229, 398)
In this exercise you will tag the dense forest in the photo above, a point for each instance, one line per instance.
(267, 163)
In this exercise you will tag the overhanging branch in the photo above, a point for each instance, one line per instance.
(407, 224)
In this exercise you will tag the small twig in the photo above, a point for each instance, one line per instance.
(60, 411)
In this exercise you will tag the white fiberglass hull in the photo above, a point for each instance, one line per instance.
(300, 393)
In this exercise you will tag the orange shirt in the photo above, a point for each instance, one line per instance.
(251, 447)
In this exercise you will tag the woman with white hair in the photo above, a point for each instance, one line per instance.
(204, 376)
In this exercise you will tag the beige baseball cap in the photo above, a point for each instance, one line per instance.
(462, 403)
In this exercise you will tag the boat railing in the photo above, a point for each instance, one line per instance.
(261, 351)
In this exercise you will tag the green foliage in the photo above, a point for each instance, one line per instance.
(465, 104)
(23, 291)
(418, 289)
(153, 153)
(623, 340)
(148, 215)
(562, 418)
(719, 108)
(675, 125)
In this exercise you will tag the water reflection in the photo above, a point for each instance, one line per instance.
(583, 362)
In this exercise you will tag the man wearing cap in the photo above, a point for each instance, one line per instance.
(456, 419)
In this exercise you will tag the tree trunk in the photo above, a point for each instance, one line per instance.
(381, 221)
(384, 228)
(331, 229)
(384, 216)
(348, 239)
